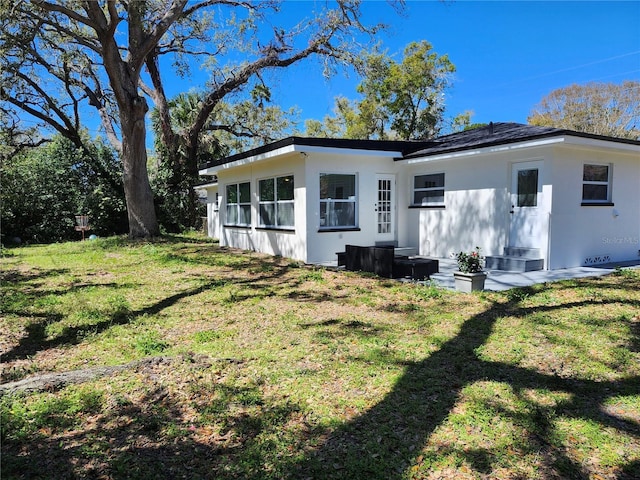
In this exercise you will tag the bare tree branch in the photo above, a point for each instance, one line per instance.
(199, 6)
(61, 29)
(269, 60)
(160, 100)
(53, 7)
(114, 18)
(37, 114)
(147, 44)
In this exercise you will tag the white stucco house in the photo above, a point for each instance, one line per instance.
(558, 197)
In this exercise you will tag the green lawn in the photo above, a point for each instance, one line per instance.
(243, 366)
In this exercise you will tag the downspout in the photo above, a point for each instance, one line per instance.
(548, 241)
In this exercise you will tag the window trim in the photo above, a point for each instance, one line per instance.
(338, 229)
(237, 205)
(275, 202)
(598, 203)
(355, 201)
(414, 190)
(428, 207)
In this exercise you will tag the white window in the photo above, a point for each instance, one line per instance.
(338, 201)
(428, 189)
(276, 202)
(238, 204)
(596, 183)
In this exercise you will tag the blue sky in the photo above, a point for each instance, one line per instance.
(508, 54)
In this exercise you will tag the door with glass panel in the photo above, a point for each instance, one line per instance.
(526, 218)
(385, 208)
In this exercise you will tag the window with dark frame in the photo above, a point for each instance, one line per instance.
(276, 205)
(596, 183)
(428, 190)
(238, 204)
(338, 201)
(527, 194)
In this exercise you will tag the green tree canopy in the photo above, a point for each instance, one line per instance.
(231, 128)
(398, 100)
(43, 188)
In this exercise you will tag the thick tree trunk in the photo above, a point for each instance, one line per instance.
(142, 215)
(191, 175)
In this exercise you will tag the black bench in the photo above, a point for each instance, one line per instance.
(415, 268)
(378, 260)
(382, 261)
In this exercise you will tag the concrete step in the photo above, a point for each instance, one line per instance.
(522, 252)
(405, 252)
(513, 263)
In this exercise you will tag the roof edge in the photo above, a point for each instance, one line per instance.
(525, 138)
(403, 146)
(419, 148)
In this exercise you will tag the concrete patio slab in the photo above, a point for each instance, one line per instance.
(501, 280)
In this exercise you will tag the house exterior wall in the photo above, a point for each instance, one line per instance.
(307, 241)
(323, 244)
(213, 209)
(590, 235)
(213, 213)
(478, 201)
(477, 204)
(289, 242)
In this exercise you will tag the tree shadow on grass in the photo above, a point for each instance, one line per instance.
(266, 273)
(36, 338)
(385, 441)
(150, 435)
(17, 276)
(152, 439)
(382, 443)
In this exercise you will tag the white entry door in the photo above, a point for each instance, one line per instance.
(385, 208)
(526, 216)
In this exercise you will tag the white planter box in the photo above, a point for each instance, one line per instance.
(469, 282)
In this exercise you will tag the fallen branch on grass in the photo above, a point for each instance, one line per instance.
(55, 381)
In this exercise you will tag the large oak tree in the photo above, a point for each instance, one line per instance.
(58, 57)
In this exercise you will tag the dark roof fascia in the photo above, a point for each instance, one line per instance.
(213, 181)
(439, 149)
(593, 136)
(403, 146)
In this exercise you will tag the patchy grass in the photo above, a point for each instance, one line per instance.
(269, 369)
